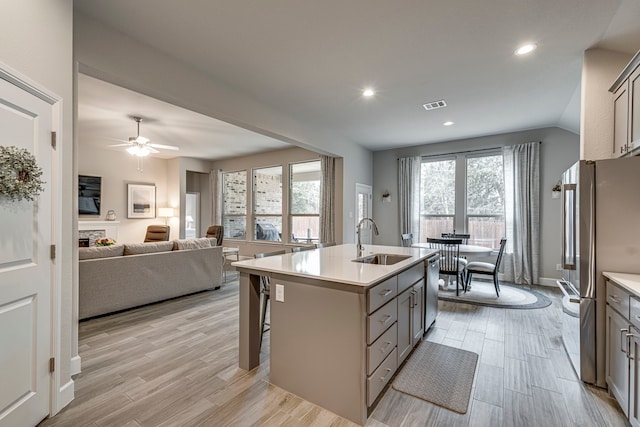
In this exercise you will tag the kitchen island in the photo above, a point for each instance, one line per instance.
(339, 329)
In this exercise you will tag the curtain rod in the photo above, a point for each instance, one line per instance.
(463, 152)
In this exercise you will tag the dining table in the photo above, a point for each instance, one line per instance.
(465, 250)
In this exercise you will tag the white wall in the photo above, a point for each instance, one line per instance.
(559, 150)
(599, 70)
(117, 169)
(36, 41)
(114, 57)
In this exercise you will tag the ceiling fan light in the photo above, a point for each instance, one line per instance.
(142, 139)
(143, 152)
(133, 150)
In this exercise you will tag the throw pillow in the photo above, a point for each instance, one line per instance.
(96, 252)
(147, 248)
(199, 243)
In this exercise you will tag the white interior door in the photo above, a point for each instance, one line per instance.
(363, 210)
(25, 267)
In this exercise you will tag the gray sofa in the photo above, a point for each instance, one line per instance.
(118, 277)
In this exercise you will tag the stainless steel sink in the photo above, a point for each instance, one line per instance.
(382, 259)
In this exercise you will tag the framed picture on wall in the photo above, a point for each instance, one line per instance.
(141, 201)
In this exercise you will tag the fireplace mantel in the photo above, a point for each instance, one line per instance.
(110, 228)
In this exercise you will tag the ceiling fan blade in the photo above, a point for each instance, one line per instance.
(153, 150)
(120, 145)
(164, 147)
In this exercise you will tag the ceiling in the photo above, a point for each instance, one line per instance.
(105, 114)
(312, 59)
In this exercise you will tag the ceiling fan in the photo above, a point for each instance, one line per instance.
(140, 146)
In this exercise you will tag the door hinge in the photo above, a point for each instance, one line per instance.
(53, 140)
(52, 364)
(52, 250)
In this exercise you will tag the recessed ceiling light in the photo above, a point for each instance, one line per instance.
(368, 92)
(449, 123)
(527, 48)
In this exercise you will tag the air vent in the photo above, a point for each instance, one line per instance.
(434, 105)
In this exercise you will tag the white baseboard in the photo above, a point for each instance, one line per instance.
(65, 396)
(75, 366)
(547, 281)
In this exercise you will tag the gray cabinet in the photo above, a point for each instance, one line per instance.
(617, 360)
(410, 319)
(626, 110)
(623, 350)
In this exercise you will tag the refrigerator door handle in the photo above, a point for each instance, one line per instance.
(569, 226)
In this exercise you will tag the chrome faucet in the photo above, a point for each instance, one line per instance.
(358, 227)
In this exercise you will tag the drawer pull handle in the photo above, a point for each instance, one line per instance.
(385, 292)
(382, 379)
(614, 298)
(385, 347)
(387, 318)
(622, 331)
(638, 317)
(629, 356)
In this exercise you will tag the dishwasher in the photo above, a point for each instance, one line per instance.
(431, 292)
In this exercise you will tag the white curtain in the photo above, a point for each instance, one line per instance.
(409, 195)
(522, 213)
(215, 186)
(327, 196)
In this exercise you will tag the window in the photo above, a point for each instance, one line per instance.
(478, 180)
(267, 203)
(438, 197)
(485, 200)
(304, 202)
(234, 199)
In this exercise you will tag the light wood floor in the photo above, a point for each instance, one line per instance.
(175, 364)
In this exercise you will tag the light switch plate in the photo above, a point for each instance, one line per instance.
(279, 292)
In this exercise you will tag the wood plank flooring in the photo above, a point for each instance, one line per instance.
(175, 364)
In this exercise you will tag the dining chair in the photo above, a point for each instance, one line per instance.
(302, 248)
(407, 240)
(465, 240)
(265, 293)
(325, 245)
(486, 268)
(450, 264)
(464, 236)
(216, 231)
(157, 233)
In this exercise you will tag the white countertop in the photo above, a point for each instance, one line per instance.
(631, 282)
(335, 264)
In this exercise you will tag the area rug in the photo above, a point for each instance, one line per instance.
(439, 374)
(511, 296)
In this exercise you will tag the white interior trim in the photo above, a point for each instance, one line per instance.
(75, 365)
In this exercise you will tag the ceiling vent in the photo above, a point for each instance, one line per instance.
(434, 105)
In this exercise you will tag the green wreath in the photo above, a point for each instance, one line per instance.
(19, 174)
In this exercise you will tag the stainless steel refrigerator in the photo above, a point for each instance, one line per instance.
(600, 232)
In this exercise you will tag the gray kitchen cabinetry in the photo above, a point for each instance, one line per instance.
(623, 350)
(626, 110)
(410, 310)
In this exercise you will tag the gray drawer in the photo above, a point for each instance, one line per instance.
(410, 276)
(381, 348)
(381, 320)
(382, 293)
(381, 376)
(634, 311)
(618, 299)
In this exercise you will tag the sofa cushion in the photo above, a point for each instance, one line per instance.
(147, 248)
(101, 252)
(198, 243)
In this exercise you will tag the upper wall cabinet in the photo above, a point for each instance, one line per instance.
(626, 110)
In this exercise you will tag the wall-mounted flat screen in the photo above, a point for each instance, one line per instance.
(89, 189)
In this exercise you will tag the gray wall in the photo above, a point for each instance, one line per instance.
(559, 150)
